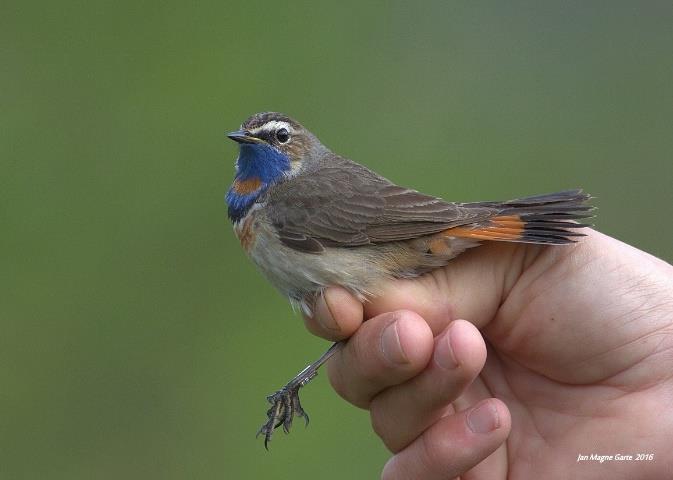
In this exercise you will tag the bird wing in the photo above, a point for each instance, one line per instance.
(345, 204)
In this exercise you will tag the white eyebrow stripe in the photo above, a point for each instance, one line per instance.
(272, 126)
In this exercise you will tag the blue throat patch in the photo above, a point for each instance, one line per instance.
(257, 164)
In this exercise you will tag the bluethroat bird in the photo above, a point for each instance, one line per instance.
(309, 218)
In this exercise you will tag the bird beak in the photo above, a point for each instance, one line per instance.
(241, 136)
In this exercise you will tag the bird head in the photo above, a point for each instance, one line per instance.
(276, 137)
(273, 147)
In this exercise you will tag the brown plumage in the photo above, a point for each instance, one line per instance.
(348, 205)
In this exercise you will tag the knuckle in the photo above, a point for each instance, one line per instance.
(384, 425)
(336, 378)
(379, 420)
(366, 355)
(346, 385)
(436, 449)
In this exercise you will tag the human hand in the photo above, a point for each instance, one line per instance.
(579, 355)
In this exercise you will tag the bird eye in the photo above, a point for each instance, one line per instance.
(282, 135)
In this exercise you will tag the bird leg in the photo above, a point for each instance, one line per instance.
(285, 402)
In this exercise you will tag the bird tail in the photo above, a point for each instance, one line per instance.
(550, 218)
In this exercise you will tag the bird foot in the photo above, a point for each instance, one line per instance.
(285, 402)
(285, 405)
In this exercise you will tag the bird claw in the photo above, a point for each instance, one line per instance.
(285, 402)
(285, 405)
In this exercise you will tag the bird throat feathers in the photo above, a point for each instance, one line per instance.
(258, 166)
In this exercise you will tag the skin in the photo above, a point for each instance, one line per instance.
(563, 351)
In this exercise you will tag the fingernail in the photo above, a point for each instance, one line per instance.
(484, 418)
(443, 355)
(391, 346)
(323, 314)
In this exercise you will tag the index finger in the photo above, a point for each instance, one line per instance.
(337, 315)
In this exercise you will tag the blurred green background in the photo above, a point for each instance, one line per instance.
(136, 339)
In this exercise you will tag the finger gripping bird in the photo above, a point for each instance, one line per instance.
(309, 218)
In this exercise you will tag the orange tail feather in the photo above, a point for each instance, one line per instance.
(547, 218)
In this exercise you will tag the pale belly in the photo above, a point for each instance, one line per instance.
(300, 275)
